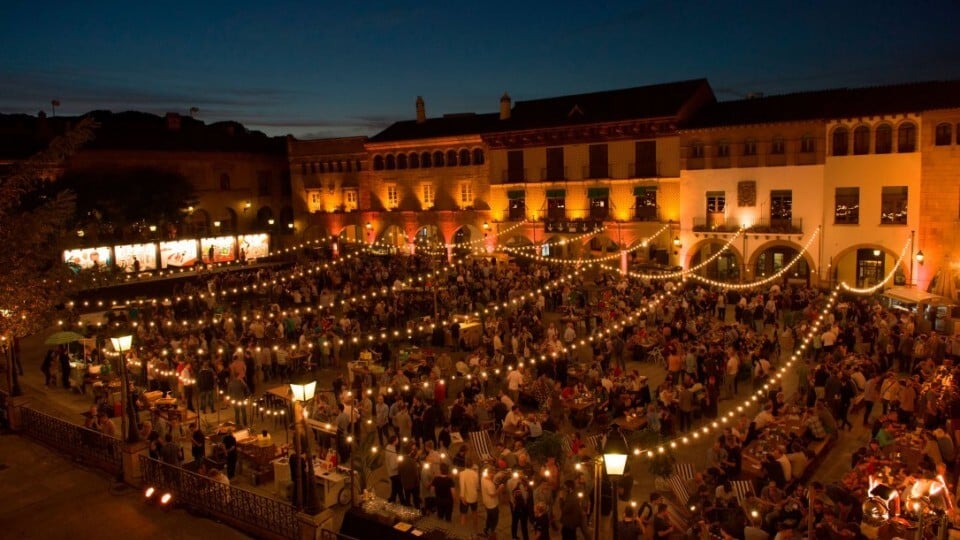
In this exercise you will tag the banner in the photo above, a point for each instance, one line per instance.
(254, 246)
(219, 249)
(178, 254)
(128, 257)
(87, 257)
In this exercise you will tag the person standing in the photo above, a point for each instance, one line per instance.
(230, 445)
(47, 368)
(490, 495)
(443, 491)
(469, 490)
(238, 392)
(64, 367)
(519, 508)
(541, 522)
(392, 460)
(198, 443)
(206, 384)
(571, 518)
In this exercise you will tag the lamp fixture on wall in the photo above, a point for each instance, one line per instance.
(919, 257)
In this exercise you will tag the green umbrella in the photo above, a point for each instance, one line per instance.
(60, 338)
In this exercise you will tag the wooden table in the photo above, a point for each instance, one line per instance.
(632, 422)
(580, 409)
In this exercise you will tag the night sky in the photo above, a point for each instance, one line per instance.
(317, 68)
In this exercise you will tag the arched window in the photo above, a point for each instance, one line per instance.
(723, 149)
(841, 142)
(861, 141)
(750, 147)
(378, 163)
(451, 158)
(696, 150)
(478, 156)
(391, 162)
(347, 165)
(778, 146)
(339, 166)
(907, 138)
(425, 160)
(943, 135)
(884, 140)
(464, 157)
(357, 166)
(224, 182)
(414, 160)
(808, 144)
(313, 168)
(401, 161)
(438, 159)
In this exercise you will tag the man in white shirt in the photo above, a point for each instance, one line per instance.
(468, 487)
(514, 380)
(490, 494)
(511, 424)
(730, 373)
(765, 417)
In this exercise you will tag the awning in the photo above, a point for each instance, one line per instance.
(556, 193)
(515, 194)
(913, 295)
(598, 193)
(640, 191)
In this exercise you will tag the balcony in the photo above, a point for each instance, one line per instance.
(508, 176)
(595, 171)
(646, 213)
(646, 169)
(571, 226)
(721, 224)
(553, 174)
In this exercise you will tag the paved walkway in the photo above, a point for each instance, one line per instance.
(45, 495)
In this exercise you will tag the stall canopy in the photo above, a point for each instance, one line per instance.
(909, 295)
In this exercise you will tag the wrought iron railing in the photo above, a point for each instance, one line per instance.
(91, 447)
(261, 516)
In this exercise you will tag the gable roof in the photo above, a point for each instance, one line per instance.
(445, 126)
(828, 104)
(653, 101)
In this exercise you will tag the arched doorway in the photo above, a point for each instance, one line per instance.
(230, 221)
(602, 245)
(392, 239)
(556, 247)
(725, 267)
(264, 216)
(429, 241)
(198, 223)
(352, 234)
(866, 266)
(770, 260)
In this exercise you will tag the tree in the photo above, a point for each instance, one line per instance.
(119, 201)
(34, 280)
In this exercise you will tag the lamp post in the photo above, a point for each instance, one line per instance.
(912, 247)
(301, 393)
(615, 461)
(128, 419)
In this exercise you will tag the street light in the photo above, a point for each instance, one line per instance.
(615, 461)
(302, 473)
(128, 420)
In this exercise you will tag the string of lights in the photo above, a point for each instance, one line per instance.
(885, 280)
(758, 283)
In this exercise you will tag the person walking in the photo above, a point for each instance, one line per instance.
(519, 508)
(571, 518)
(230, 445)
(206, 385)
(392, 460)
(238, 392)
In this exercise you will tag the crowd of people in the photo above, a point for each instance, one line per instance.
(533, 375)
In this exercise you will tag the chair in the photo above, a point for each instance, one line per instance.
(595, 442)
(679, 488)
(482, 445)
(684, 470)
(742, 488)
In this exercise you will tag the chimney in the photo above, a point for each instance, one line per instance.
(173, 121)
(421, 111)
(505, 106)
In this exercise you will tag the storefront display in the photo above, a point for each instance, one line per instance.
(253, 246)
(178, 254)
(83, 258)
(136, 257)
(220, 249)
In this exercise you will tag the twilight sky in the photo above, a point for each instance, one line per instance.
(318, 68)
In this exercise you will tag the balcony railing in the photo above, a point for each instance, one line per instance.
(89, 446)
(720, 223)
(261, 516)
(598, 171)
(508, 176)
(646, 213)
(553, 174)
(571, 226)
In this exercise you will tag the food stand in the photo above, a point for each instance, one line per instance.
(930, 311)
